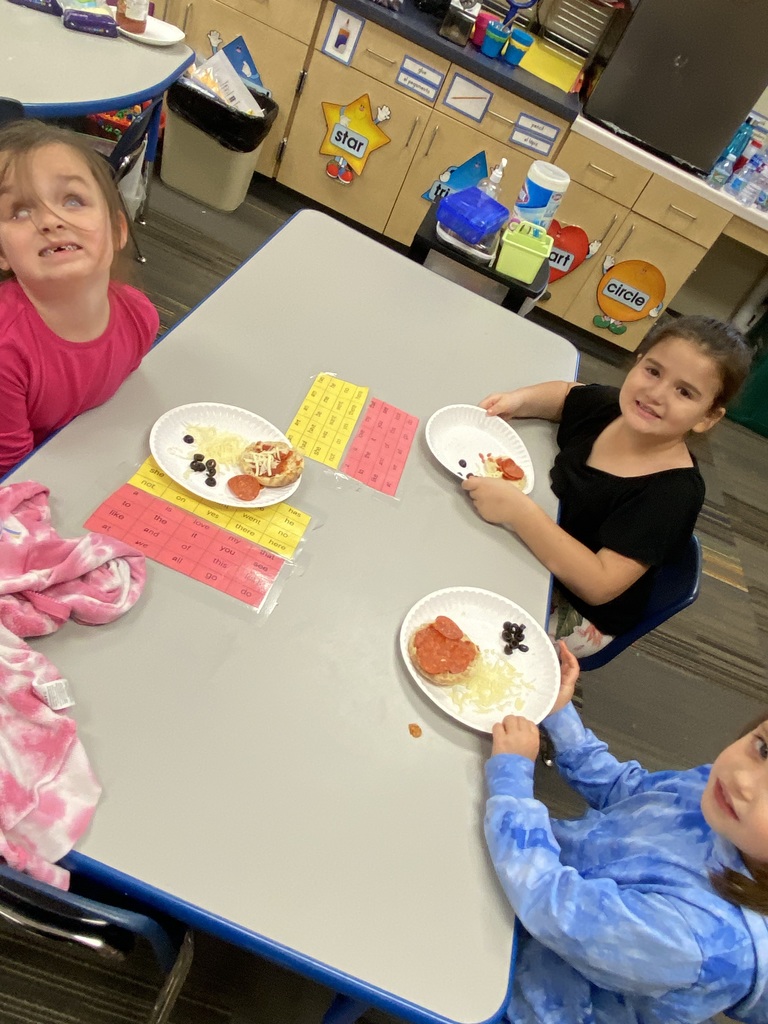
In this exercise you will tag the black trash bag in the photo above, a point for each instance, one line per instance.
(230, 127)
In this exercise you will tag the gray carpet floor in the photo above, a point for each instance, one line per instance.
(673, 700)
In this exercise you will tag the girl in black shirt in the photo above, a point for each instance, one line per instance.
(629, 488)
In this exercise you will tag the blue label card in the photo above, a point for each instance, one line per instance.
(349, 141)
(468, 97)
(538, 127)
(343, 35)
(420, 78)
(561, 259)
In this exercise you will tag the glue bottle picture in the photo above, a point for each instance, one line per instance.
(342, 37)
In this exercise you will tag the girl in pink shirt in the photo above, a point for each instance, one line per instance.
(69, 335)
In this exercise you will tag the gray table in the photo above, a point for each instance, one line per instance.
(56, 72)
(260, 780)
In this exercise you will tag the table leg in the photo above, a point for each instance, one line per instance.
(344, 1010)
(419, 250)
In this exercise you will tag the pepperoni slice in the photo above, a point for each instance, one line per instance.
(452, 656)
(448, 628)
(510, 469)
(244, 487)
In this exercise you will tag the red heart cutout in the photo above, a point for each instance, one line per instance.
(569, 249)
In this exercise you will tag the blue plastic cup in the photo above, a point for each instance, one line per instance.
(494, 40)
(519, 44)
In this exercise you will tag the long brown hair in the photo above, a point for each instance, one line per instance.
(20, 139)
(724, 343)
(732, 885)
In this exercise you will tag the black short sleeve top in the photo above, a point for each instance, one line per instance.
(649, 518)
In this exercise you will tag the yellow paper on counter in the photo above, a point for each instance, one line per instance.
(278, 528)
(552, 64)
(322, 427)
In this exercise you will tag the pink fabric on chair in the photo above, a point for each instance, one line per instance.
(48, 791)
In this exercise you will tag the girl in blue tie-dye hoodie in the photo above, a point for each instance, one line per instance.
(651, 908)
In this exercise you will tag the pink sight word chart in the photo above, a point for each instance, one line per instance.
(380, 448)
(188, 543)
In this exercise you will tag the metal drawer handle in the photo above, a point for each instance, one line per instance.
(684, 213)
(414, 126)
(625, 239)
(506, 120)
(381, 56)
(601, 170)
(187, 12)
(434, 134)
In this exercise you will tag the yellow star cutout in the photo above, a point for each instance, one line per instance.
(358, 118)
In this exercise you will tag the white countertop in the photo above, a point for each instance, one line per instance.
(677, 175)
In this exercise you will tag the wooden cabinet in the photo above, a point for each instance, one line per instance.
(636, 239)
(369, 197)
(501, 115)
(602, 170)
(278, 57)
(446, 144)
(295, 18)
(391, 59)
(682, 211)
(600, 218)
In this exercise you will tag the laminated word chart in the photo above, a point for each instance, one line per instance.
(278, 527)
(323, 425)
(188, 543)
(380, 448)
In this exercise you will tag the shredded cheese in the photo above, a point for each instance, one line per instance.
(224, 447)
(491, 467)
(264, 463)
(492, 684)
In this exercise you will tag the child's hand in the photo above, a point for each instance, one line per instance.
(504, 403)
(496, 500)
(516, 735)
(569, 674)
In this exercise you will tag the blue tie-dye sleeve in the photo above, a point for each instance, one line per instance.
(619, 939)
(589, 767)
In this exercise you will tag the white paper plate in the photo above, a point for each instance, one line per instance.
(173, 456)
(481, 614)
(458, 433)
(157, 33)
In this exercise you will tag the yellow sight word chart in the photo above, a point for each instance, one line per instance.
(278, 528)
(324, 424)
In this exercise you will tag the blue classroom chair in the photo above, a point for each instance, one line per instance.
(676, 587)
(109, 932)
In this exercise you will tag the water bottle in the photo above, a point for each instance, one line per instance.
(754, 192)
(744, 185)
(722, 171)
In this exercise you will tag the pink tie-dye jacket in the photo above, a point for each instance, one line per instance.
(48, 791)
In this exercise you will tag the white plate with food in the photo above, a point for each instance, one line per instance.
(467, 441)
(461, 649)
(157, 33)
(251, 457)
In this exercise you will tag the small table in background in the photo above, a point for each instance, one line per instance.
(520, 298)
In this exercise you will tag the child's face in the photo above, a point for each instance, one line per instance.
(55, 227)
(671, 390)
(735, 801)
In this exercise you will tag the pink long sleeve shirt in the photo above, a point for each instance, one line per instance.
(46, 381)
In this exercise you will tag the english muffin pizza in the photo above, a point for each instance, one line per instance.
(272, 463)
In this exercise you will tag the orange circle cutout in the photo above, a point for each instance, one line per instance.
(636, 287)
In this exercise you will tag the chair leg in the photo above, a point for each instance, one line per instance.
(140, 257)
(344, 1010)
(169, 993)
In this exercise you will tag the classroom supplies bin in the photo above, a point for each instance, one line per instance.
(471, 214)
(209, 148)
(524, 247)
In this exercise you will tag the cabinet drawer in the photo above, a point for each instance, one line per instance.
(501, 115)
(748, 234)
(681, 211)
(296, 18)
(602, 170)
(381, 54)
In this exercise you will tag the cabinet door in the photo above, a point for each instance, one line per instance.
(674, 207)
(278, 58)
(369, 197)
(502, 115)
(390, 59)
(295, 18)
(446, 144)
(600, 218)
(638, 239)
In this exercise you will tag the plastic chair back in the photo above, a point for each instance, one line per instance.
(10, 110)
(107, 931)
(121, 157)
(676, 587)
